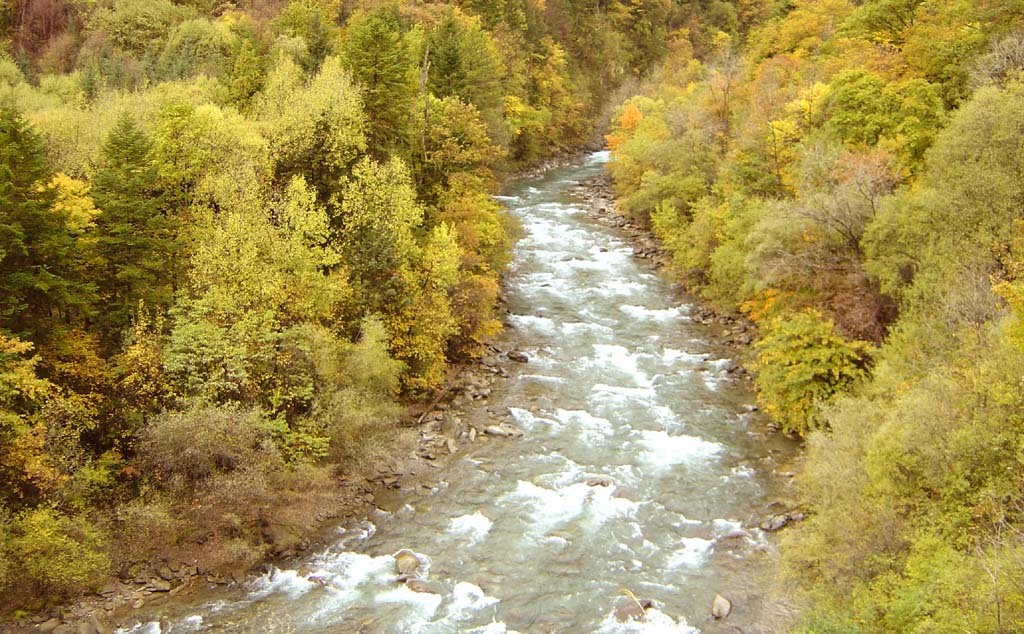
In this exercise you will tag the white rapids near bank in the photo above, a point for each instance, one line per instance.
(639, 471)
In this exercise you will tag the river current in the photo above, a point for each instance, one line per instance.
(622, 389)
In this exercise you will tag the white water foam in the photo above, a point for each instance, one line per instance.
(620, 359)
(728, 529)
(620, 394)
(663, 450)
(490, 628)
(287, 582)
(652, 314)
(574, 328)
(544, 378)
(693, 553)
(475, 526)
(422, 604)
(553, 507)
(655, 622)
(671, 355)
(468, 598)
(542, 325)
(529, 420)
(589, 426)
(619, 288)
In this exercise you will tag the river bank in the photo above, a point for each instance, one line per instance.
(428, 433)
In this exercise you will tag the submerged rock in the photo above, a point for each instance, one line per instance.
(426, 587)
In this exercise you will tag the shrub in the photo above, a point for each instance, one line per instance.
(182, 449)
(55, 555)
(143, 529)
(802, 363)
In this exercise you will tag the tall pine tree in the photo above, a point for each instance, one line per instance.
(37, 285)
(136, 234)
(378, 58)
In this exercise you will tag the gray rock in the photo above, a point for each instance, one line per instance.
(517, 356)
(108, 589)
(599, 482)
(720, 607)
(65, 629)
(49, 626)
(782, 520)
(100, 626)
(160, 585)
(494, 430)
(165, 573)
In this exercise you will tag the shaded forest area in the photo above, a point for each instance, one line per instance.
(236, 238)
(848, 176)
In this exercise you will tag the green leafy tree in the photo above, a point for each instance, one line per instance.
(196, 46)
(316, 130)
(312, 22)
(26, 471)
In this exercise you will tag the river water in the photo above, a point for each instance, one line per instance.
(621, 385)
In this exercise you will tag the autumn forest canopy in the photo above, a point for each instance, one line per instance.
(238, 238)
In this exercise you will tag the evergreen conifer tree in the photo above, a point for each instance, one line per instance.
(37, 286)
(378, 58)
(136, 237)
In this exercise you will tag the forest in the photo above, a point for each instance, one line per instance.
(237, 239)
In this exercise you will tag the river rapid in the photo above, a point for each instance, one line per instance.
(623, 389)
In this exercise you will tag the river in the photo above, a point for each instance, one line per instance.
(622, 387)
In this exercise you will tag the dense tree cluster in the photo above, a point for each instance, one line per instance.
(236, 237)
(848, 175)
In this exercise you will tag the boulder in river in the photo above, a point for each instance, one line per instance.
(503, 430)
(407, 563)
(517, 356)
(600, 481)
(720, 607)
